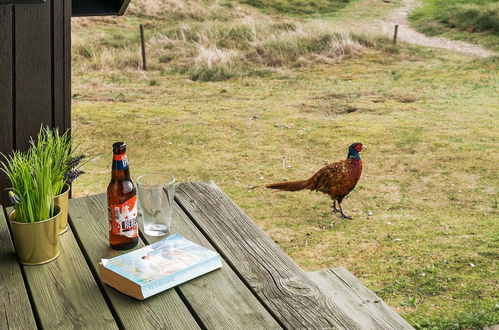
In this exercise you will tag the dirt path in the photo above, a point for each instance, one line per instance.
(408, 34)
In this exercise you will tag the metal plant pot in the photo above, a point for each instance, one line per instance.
(61, 200)
(36, 242)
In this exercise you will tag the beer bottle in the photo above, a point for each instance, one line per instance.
(122, 202)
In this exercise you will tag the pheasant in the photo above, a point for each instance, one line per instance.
(336, 179)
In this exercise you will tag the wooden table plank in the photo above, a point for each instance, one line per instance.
(14, 302)
(65, 294)
(343, 287)
(220, 299)
(278, 282)
(88, 217)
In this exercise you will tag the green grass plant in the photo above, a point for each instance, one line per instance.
(297, 7)
(213, 73)
(30, 175)
(56, 150)
(470, 20)
(41, 173)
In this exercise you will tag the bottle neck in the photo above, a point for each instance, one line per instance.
(119, 169)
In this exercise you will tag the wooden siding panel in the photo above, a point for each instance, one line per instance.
(67, 62)
(58, 19)
(6, 19)
(6, 101)
(33, 49)
(35, 73)
(17, 2)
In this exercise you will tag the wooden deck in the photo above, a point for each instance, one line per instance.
(258, 287)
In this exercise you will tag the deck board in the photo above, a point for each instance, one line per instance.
(88, 216)
(63, 301)
(237, 307)
(14, 301)
(343, 286)
(258, 287)
(275, 278)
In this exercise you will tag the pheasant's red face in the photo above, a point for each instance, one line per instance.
(359, 147)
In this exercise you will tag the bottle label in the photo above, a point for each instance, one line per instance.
(123, 218)
(120, 162)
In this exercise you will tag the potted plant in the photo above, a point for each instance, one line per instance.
(35, 218)
(40, 179)
(65, 165)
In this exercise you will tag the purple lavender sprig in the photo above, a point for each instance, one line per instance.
(14, 199)
(73, 162)
(71, 175)
(73, 171)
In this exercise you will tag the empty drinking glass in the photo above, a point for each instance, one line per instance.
(155, 194)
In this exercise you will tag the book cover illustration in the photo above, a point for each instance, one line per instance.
(155, 261)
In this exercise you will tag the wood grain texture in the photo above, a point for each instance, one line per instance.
(123, 7)
(64, 292)
(220, 299)
(346, 289)
(88, 217)
(35, 72)
(15, 2)
(15, 307)
(58, 58)
(6, 100)
(99, 7)
(274, 277)
(33, 49)
(67, 62)
(6, 67)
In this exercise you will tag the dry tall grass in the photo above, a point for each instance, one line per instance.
(178, 9)
(200, 35)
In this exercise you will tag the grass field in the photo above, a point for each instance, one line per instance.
(424, 234)
(475, 21)
(297, 7)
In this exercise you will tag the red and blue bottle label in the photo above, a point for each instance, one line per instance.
(120, 162)
(123, 218)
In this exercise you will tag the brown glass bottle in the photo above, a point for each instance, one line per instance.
(122, 202)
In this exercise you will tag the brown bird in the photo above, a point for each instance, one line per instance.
(336, 179)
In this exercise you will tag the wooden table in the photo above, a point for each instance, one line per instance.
(258, 287)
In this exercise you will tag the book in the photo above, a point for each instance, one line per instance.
(158, 267)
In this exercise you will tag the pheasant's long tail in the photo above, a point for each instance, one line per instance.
(289, 186)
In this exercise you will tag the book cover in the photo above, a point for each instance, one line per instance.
(158, 267)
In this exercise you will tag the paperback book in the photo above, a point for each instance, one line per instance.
(158, 267)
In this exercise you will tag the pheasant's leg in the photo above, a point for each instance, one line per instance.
(343, 214)
(335, 210)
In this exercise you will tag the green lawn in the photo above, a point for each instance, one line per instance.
(475, 21)
(297, 7)
(424, 234)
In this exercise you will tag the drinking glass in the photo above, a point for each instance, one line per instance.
(155, 195)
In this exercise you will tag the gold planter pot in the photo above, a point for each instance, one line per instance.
(36, 242)
(61, 200)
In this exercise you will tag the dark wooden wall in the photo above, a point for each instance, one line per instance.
(35, 73)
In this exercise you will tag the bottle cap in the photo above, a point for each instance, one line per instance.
(118, 145)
